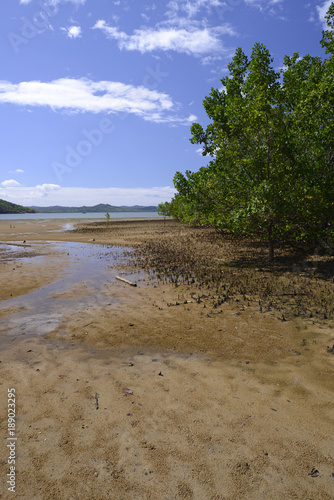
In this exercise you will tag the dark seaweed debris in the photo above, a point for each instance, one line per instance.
(225, 269)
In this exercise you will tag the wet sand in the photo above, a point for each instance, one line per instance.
(142, 392)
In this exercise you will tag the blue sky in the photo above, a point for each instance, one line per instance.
(97, 96)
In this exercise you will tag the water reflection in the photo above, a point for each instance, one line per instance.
(89, 269)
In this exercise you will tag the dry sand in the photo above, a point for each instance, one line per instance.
(122, 394)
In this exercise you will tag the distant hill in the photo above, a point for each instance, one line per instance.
(101, 208)
(11, 208)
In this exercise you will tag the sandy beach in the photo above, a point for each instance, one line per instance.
(160, 390)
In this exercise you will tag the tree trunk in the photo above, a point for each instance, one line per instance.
(270, 245)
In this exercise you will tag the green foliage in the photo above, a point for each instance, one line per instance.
(11, 208)
(164, 209)
(271, 143)
(327, 41)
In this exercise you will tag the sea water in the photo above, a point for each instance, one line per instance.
(88, 215)
(89, 269)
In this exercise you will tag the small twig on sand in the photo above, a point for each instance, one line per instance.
(97, 400)
(126, 281)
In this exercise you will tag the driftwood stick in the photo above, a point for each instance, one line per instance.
(126, 281)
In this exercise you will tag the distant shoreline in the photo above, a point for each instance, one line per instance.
(8, 208)
(102, 208)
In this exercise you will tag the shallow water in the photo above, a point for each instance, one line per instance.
(88, 215)
(10, 252)
(89, 268)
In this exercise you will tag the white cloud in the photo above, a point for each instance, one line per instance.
(211, 59)
(75, 2)
(144, 16)
(191, 8)
(16, 193)
(322, 11)
(84, 95)
(265, 5)
(72, 31)
(17, 171)
(173, 120)
(190, 39)
(52, 194)
(10, 183)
